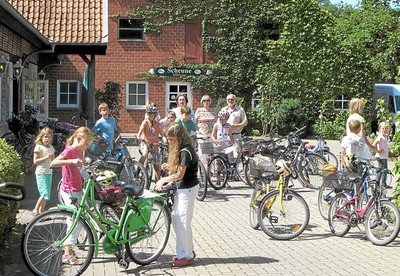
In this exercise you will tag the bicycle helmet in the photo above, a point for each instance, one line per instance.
(106, 177)
(151, 110)
(282, 167)
(223, 114)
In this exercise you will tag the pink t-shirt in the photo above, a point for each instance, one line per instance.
(71, 176)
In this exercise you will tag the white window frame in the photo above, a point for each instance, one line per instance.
(69, 106)
(127, 94)
(188, 93)
(130, 29)
(344, 103)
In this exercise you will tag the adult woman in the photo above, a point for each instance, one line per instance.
(204, 118)
(182, 167)
(181, 101)
(356, 106)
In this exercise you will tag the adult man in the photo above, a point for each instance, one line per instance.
(237, 117)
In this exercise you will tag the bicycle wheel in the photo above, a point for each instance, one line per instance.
(331, 158)
(136, 172)
(250, 180)
(339, 219)
(26, 156)
(202, 177)
(325, 196)
(382, 222)
(40, 249)
(240, 170)
(217, 173)
(283, 219)
(310, 170)
(153, 238)
(109, 212)
(255, 200)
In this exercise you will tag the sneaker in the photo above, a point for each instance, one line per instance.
(182, 262)
(71, 260)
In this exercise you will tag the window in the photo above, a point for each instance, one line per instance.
(68, 94)
(130, 29)
(136, 95)
(341, 103)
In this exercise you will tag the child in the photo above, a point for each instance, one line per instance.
(352, 144)
(186, 122)
(167, 121)
(149, 131)
(106, 125)
(381, 145)
(71, 159)
(43, 154)
(222, 132)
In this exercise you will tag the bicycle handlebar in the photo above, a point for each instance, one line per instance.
(12, 185)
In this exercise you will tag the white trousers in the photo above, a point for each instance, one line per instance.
(182, 214)
(67, 201)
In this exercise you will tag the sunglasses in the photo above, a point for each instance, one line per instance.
(206, 101)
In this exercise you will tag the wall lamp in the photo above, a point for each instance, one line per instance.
(17, 68)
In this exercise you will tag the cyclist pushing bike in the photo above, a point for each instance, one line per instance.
(149, 131)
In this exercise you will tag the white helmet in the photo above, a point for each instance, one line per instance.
(282, 167)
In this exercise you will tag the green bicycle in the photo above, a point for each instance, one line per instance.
(140, 232)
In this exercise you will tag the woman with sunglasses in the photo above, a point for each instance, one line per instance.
(204, 118)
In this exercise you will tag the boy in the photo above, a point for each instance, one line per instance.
(105, 126)
(352, 144)
(186, 122)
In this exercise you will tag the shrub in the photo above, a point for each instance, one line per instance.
(334, 128)
(290, 115)
(111, 94)
(10, 171)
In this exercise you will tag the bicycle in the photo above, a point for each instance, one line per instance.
(380, 216)
(150, 162)
(220, 168)
(283, 214)
(322, 149)
(140, 235)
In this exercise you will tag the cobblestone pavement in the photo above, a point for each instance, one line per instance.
(225, 244)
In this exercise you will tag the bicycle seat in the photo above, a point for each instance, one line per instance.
(133, 189)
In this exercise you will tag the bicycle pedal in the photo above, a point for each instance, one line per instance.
(273, 219)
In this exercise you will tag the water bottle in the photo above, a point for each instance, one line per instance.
(120, 154)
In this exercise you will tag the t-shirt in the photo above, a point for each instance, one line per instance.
(189, 159)
(237, 116)
(222, 132)
(205, 121)
(71, 176)
(366, 152)
(151, 131)
(382, 145)
(44, 167)
(189, 125)
(353, 144)
(106, 129)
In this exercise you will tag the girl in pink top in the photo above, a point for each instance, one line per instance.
(71, 159)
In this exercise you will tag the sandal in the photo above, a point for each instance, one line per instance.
(35, 213)
(71, 260)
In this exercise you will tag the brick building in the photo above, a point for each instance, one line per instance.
(99, 34)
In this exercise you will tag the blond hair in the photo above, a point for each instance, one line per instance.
(43, 132)
(179, 132)
(356, 105)
(103, 106)
(82, 132)
(205, 97)
(185, 110)
(355, 126)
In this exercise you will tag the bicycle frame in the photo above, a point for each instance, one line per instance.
(119, 233)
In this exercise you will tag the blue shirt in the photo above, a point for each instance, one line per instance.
(189, 125)
(105, 128)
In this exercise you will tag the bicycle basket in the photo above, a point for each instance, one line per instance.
(98, 146)
(342, 180)
(328, 169)
(250, 146)
(206, 147)
(111, 194)
(260, 164)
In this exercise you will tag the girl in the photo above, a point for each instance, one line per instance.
(43, 154)
(71, 159)
(222, 130)
(149, 131)
(182, 167)
(381, 145)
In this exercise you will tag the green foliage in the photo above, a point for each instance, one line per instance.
(112, 95)
(396, 169)
(382, 113)
(332, 129)
(10, 170)
(254, 126)
(290, 115)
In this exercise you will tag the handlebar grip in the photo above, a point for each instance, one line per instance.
(12, 185)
